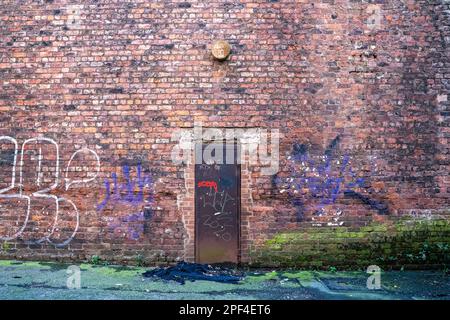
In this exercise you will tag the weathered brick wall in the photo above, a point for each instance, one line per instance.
(358, 91)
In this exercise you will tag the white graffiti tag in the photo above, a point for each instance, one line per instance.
(35, 192)
(12, 186)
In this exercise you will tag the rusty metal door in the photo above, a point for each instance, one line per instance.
(217, 210)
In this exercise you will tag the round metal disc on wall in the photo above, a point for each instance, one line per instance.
(221, 50)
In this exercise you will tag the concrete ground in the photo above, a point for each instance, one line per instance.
(43, 280)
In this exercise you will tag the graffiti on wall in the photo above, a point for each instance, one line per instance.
(222, 219)
(324, 179)
(132, 192)
(132, 226)
(34, 170)
(125, 192)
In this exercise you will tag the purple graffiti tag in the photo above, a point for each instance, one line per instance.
(324, 180)
(131, 227)
(105, 201)
(125, 192)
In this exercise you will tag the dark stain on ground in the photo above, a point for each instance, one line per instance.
(185, 271)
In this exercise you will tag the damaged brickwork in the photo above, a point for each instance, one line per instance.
(91, 93)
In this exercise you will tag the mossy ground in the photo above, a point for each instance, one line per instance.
(47, 280)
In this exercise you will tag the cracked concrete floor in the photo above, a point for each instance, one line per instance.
(44, 280)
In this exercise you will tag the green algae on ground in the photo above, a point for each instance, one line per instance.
(22, 264)
(298, 276)
(120, 271)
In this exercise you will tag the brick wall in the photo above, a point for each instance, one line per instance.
(91, 92)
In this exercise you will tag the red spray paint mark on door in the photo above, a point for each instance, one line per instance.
(208, 184)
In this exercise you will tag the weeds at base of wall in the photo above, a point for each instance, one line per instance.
(6, 246)
(96, 261)
(397, 245)
(139, 260)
